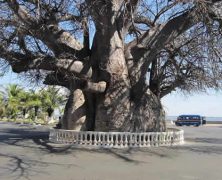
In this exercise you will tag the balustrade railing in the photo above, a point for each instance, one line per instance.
(117, 139)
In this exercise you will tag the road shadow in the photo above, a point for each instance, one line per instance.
(22, 137)
(217, 141)
(201, 145)
(203, 149)
(23, 167)
(15, 165)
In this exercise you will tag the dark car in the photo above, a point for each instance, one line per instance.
(195, 120)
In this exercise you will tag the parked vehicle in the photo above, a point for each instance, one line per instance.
(195, 120)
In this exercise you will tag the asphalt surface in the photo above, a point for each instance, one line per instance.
(25, 153)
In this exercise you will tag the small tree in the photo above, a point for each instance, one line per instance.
(51, 99)
(34, 102)
(12, 100)
(2, 106)
(24, 104)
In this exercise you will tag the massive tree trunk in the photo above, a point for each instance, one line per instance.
(113, 106)
(122, 106)
(75, 114)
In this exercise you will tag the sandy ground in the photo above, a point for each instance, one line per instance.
(25, 153)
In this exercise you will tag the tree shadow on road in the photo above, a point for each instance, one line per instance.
(39, 140)
(18, 165)
(202, 146)
(23, 167)
(216, 141)
(217, 150)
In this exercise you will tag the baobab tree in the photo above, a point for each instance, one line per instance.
(118, 58)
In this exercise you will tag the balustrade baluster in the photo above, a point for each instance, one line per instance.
(157, 139)
(124, 139)
(77, 138)
(99, 139)
(168, 138)
(164, 138)
(64, 139)
(90, 138)
(153, 140)
(57, 136)
(85, 138)
(94, 139)
(120, 140)
(148, 139)
(61, 136)
(136, 139)
(103, 140)
(81, 138)
(111, 140)
(72, 138)
(125, 143)
(139, 139)
(144, 139)
(115, 138)
(131, 140)
(108, 140)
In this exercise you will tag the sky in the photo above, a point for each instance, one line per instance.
(13, 78)
(205, 104)
(209, 104)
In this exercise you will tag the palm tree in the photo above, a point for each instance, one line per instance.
(24, 98)
(34, 101)
(51, 99)
(12, 100)
(2, 106)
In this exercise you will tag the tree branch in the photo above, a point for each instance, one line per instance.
(58, 40)
(99, 87)
(70, 17)
(21, 12)
(56, 79)
(143, 20)
(151, 42)
(22, 63)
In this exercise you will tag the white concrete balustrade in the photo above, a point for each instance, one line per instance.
(117, 139)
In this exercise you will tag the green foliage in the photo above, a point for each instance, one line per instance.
(34, 99)
(51, 99)
(13, 100)
(2, 106)
(16, 103)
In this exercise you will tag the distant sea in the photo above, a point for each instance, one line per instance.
(173, 118)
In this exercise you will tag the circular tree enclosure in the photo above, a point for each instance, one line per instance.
(93, 139)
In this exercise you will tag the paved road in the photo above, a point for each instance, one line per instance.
(25, 153)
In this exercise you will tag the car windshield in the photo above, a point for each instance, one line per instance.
(189, 117)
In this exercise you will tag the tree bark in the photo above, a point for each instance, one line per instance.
(75, 111)
(148, 114)
(121, 107)
(113, 106)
